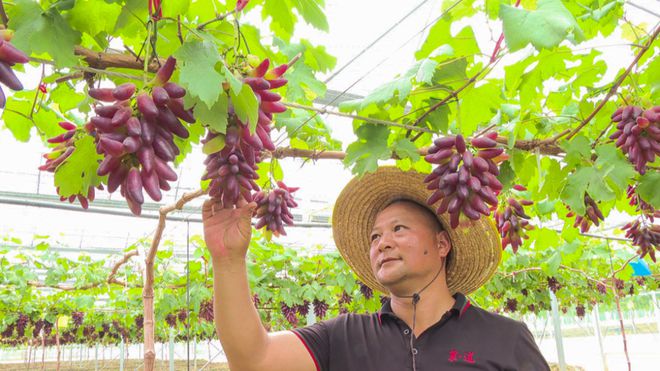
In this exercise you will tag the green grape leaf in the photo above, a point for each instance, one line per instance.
(65, 97)
(39, 31)
(283, 19)
(546, 27)
(370, 147)
(613, 167)
(15, 117)
(173, 8)
(246, 106)
(93, 17)
(317, 58)
(197, 60)
(648, 187)
(404, 148)
(303, 85)
(312, 13)
(214, 117)
(426, 71)
(78, 172)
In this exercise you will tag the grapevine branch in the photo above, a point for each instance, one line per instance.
(110, 280)
(218, 17)
(616, 85)
(453, 94)
(148, 290)
(3, 14)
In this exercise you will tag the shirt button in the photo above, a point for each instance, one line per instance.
(406, 331)
(414, 351)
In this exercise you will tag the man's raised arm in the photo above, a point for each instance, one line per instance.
(248, 346)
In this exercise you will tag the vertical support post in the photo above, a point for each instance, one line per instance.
(311, 317)
(121, 355)
(599, 336)
(96, 358)
(656, 307)
(195, 352)
(171, 355)
(558, 336)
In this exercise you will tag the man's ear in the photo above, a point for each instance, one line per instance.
(444, 244)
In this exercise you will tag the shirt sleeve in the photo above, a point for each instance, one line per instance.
(316, 339)
(527, 355)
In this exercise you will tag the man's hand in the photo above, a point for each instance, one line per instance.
(227, 231)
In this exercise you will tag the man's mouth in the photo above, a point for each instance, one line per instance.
(382, 262)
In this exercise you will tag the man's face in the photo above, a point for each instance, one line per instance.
(406, 247)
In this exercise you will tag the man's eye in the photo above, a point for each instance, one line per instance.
(397, 228)
(374, 237)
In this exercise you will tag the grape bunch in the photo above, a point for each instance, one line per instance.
(289, 313)
(366, 291)
(206, 310)
(77, 318)
(580, 311)
(21, 324)
(592, 215)
(231, 172)
(9, 56)
(646, 209)
(36, 329)
(511, 305)
(601, 287)
(464, 182)
(135, 134)
(644, 235)
(182, 316)
(553, 284)
(320, 308)
(303, 308)
(171, 319)
(512, 222)
(232, 157)
(139, 321)
(638, 134)
(273, 208)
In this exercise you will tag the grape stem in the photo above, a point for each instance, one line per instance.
(616, 85)
(218, 17)
(3, 14)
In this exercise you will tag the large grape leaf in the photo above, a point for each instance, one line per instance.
(648, 187)
(197, 60)
(92, 16)
(546, 27)
(246, 106)
(370, 147)
(78, 172)
(214, 117)
(39, 31)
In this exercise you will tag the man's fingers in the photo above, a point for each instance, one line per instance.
(211, 207)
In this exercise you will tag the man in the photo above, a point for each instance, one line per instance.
(395, 245)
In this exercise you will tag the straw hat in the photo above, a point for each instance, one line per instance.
(476, 249)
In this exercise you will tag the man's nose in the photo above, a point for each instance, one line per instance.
(385, 242)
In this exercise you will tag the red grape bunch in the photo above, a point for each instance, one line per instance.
(644, 235)
(231, 166)
(646, 209)
(273, 208)
(62, 151)
(513, 222)
(592, 215)
(135, 133)
(638, 134)
(465, 182)
(9, 56)
(320, 308)
(289, 313)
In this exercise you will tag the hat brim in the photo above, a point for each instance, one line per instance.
(476, 246)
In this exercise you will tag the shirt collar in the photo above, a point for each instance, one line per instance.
(460, 306)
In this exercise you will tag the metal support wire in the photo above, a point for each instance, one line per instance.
(374, 42)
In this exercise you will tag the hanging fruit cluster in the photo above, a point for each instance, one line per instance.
(135, 134)
(232, 163)
(9, 56)
(464, 182)
(638, 134)
(512, 222)
(641, 231)
(273, 209)
(592, 215)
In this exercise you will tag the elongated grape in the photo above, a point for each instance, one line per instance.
(8, 77)
(102, 94)
(124, 91)
(146, 106)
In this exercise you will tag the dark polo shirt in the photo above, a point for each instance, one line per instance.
(465, 338)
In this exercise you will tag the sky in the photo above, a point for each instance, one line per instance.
(353, 26)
